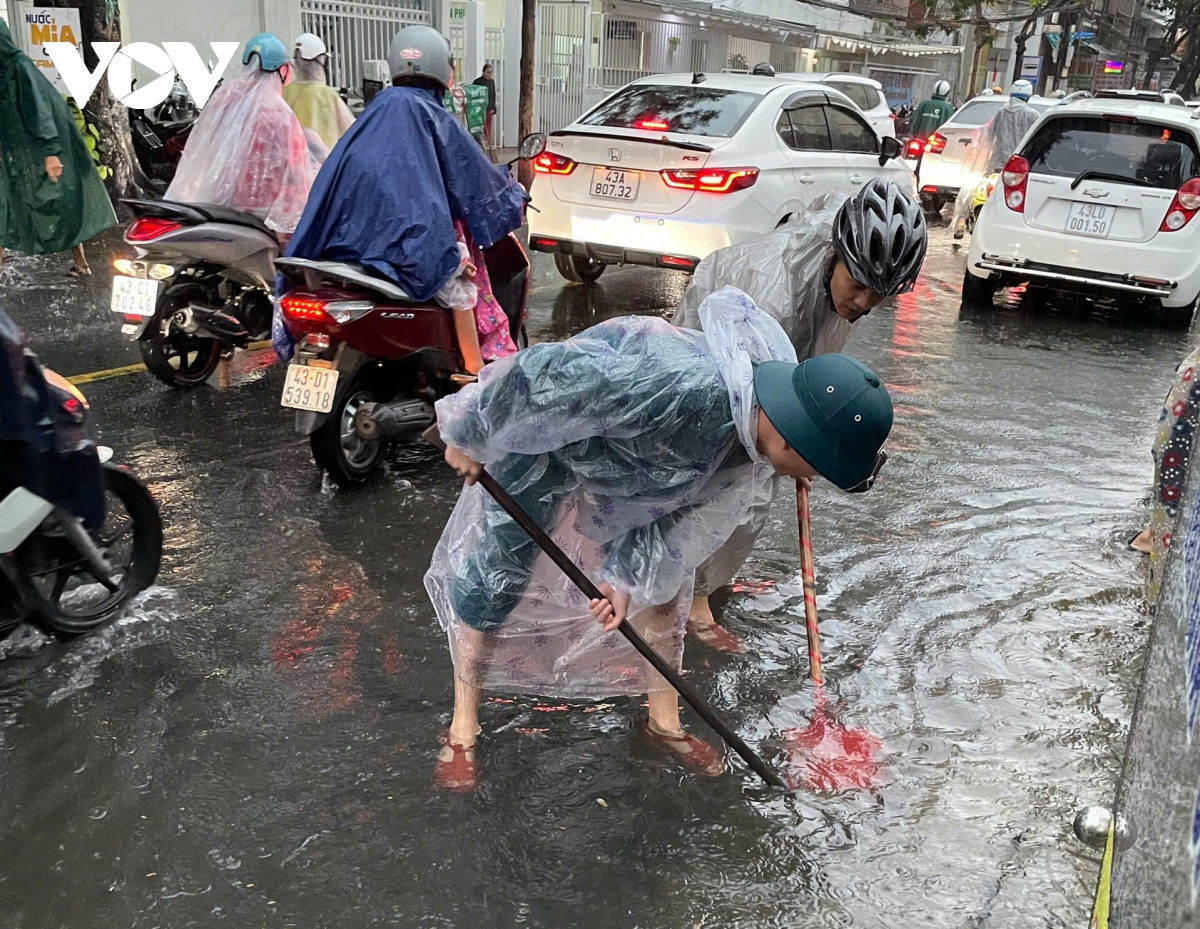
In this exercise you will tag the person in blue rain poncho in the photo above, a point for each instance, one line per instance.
(388, 196)
(639, 446)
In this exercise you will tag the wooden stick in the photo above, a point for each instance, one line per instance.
(580, 580)
(810, 585)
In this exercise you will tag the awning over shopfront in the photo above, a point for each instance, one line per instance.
(702, 14)
(857, 46)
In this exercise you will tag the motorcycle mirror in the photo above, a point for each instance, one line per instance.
(532, 145)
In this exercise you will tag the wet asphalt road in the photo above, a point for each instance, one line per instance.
(252, 744)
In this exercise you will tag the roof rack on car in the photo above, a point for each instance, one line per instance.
(1150, 96)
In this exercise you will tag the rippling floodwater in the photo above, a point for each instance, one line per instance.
(252, 744)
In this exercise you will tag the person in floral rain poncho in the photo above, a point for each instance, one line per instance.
(639, 446)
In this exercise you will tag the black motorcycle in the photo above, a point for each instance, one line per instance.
(79, 536)
(160, 134)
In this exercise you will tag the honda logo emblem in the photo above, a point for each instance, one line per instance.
(614, 154)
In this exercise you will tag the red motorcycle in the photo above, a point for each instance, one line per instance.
(370, 361)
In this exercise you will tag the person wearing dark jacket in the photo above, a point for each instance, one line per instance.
(486, 80)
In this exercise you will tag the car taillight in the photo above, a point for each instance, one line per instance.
(1015, 176)
(303, 309)
(936, 144)
(711, 180)
(1185, 205)
(550, 163)
(149, 228)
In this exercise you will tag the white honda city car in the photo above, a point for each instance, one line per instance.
(672, 167)
(1100, 199)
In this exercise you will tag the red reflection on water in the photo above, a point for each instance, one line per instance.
(318, 648)
(827, 756)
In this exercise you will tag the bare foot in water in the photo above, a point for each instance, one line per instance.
(1141, 542)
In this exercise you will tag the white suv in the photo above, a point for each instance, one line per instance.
(1100, 199)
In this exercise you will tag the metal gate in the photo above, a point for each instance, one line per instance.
(562, 31)
(358, 31)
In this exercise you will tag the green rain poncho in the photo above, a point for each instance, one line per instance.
(37, 215)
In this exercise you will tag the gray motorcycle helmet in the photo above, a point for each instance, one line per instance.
(880, 234)
(420, 51)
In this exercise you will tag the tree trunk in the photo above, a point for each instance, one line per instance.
(1189, 69)
(100, 21)
(525, 105)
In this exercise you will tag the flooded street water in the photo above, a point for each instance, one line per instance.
(253, 743)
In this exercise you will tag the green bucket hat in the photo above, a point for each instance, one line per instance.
(833, 411)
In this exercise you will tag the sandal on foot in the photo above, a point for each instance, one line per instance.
(693, 752)
(80, 272)
(460, 773)
(716, 636)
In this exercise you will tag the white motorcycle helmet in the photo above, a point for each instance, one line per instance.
(309, 47)
(941, 89)
(1021, 89)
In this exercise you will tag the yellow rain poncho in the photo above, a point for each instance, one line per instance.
(317, 105)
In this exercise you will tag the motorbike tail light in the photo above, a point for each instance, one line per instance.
(1015, 176)
(914, 147)
(149, 228)
(711, 180)
(671, 261)
(303, 309)
(1185, 205)
(550, 163)
(132, 317)
(936, 144)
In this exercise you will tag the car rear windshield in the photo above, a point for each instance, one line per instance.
(977, 112)
(1145, 152)
(694, 110)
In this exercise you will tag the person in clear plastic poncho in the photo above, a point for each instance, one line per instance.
(51, 197)
(317, 105)
(817, 276)
(992, 146)
(637, 445)
(248, 150)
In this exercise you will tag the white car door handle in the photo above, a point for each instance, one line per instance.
(807, 179)
(856, 178)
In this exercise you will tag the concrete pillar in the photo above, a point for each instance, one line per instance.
(510, 92)
(281, 18)
(475, 29)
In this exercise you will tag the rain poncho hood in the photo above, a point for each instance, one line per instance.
(786, 274)
(317, 105)
(39, 216)
(248, 151)
(389, 193)
(991, 147)
(633, 443)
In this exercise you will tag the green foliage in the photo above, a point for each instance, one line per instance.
(91, 138)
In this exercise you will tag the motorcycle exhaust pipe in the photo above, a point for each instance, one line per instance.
(393, 422)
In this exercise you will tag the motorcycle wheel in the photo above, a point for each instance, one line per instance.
(178, 359)
(338, 449)
(578, 269)
(65, 597)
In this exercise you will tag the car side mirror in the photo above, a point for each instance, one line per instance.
(532, 145)
(889, 148)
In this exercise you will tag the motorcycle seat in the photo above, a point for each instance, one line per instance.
(346, 273)
(227, 214)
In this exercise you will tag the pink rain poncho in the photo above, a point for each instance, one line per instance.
(248, 151)
(634, 445)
